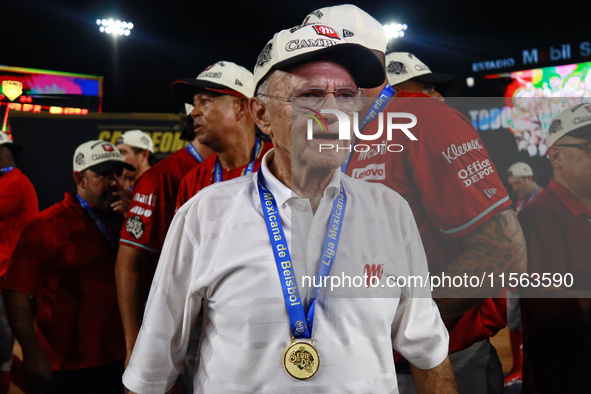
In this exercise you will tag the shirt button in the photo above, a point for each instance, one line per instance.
(300, 206)
(313, 238)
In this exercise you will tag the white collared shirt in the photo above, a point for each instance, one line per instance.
(217, 257)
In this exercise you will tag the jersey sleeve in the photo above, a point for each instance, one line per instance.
(458, 182)
(30, 262)
(148, 216)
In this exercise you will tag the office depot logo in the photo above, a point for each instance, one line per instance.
(402, 121)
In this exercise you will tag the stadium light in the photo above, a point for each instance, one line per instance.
(114, 27)
(395, 30)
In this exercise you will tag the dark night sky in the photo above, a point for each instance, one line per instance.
(174, 39)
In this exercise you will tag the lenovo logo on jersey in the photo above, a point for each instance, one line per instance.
(490, 192)
(373, 274)
(147, 200)
(373, 172)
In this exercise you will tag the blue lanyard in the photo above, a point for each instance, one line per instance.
(113, 239)
(378, 106)
(193, 151)
(218, 170)
(520, 207)
(6, 170)
(291, 293)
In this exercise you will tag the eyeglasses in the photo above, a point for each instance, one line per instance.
(347, 98)
(586, 147)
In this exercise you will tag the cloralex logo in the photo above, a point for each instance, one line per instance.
(344, 121)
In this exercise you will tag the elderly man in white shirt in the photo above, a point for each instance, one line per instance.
(249, 252)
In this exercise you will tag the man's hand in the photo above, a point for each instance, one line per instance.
(438, 380)
(122, 203)
(37, 370)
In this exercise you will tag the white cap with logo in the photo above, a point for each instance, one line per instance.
(222, 77)
(137, 139)
(353, 24)
(520, 169)
(402, 66)
(575, 121)
(99, 156)
(306, 43)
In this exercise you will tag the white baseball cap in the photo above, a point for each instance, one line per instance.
(575, 121)
(353, 24)
(402, 66)
(99, 156)
(222, 77)
(520, 169)
(137, 139)
(305, 43)
(5, 139)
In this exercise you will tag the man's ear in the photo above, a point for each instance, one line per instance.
(555, 155)
(260, 114)
(80, 179)
(241, 107)
(145, 155)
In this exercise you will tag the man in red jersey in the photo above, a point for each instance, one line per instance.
(557, 228)
(18, 205)
(224, 124)
(459, 203)
(520, 177)
(155, 193)
(72, 341)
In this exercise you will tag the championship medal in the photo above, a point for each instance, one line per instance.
(301, 360)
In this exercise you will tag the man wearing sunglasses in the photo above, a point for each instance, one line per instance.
(557, 228)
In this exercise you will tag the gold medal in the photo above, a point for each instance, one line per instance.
(301, 360)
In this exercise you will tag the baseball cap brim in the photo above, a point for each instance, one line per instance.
(434, 78)
(14, 148)
(367, 73)
(184, 89)
(106, 166)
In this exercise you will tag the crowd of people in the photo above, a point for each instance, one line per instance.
(189, 275)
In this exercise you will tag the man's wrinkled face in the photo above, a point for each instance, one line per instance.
(576, 165)
(213, 115)
(289, 122)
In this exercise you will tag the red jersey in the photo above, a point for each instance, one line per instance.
(557, 229)
(18, 205)
(450, 184)
(69, 265)
(203, 175)
(153, 202)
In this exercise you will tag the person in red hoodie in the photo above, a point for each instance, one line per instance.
(18, 205)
